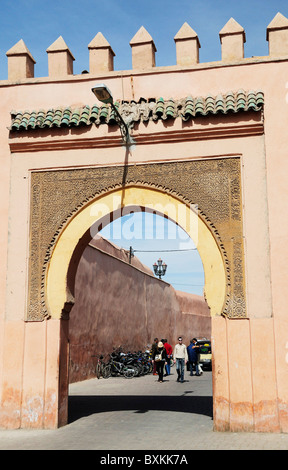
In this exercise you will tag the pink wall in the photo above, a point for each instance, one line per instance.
(116, 304)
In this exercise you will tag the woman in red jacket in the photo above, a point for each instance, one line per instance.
(169, 352)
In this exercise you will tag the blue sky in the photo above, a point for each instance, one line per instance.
(153, 237)
(40, 23)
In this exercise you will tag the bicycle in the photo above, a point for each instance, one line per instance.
(102, 368)
(120, 368)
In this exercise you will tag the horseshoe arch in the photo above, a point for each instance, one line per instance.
(183, 215)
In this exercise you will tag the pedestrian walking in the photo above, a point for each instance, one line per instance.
(180, 357)
(160, 359)
(193, 356)
(153, 348)
(169, 352)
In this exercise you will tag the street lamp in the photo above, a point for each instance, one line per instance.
(160, 268)
(104, 95)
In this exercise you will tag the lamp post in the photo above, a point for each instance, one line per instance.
(160, 268)
(104, 95)
(131, 254)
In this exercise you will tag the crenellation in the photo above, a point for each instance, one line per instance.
(101, 55)
(143, 51)
(232, 38)
(277, 36)
(60, 59)
(187, 46)
(20, 62)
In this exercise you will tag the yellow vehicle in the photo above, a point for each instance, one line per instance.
(205, 354)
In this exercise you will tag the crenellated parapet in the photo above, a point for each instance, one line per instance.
(143, 50)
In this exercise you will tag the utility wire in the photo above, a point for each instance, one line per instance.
(191, 285)
(162, 251)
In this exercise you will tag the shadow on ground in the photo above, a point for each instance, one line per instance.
(80, 406)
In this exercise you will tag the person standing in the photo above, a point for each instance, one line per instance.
(169, 353)
(193, 354)
(154, 346)
(180, 356)
(160, 359)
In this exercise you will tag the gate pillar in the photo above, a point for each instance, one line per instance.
(35, 375)
(246, 392)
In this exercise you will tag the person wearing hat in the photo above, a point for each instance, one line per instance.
(159, 358)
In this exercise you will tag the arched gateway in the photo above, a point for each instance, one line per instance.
(204, 157)
(51, 297)
(83, 225)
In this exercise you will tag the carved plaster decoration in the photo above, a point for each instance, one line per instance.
(214, 185)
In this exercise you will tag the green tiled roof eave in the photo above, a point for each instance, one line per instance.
(158, 109)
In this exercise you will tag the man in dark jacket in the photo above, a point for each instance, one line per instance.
(193, 353)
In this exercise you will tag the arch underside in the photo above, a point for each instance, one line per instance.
(69, 238)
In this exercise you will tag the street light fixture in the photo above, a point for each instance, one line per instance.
(160, 268)
(104, 95)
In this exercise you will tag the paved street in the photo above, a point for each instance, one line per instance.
(140, 414)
